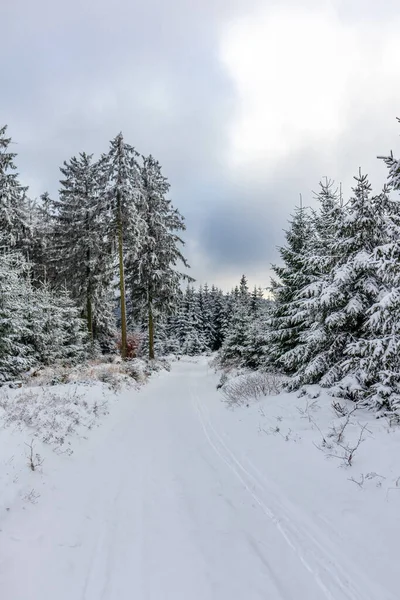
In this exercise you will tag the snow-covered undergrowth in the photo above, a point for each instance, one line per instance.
(113, 372)
(247, 386)
(53, 409)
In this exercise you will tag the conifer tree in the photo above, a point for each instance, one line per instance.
(37, 325)
(43, 224)
(188, 324)
(309, 358)
(81, 250)
(15, 232)
(119, 205)
(153, 275)
(15, 356)
(218, 307)
(206, 302)
(374, 359)
(286, 319)
(354, 284)
(257, 346)
(236, 341)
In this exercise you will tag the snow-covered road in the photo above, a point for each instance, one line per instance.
(163, 504)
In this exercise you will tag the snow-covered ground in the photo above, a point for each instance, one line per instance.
(179, 496)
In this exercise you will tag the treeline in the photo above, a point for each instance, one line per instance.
(105, 254)
(209, 320)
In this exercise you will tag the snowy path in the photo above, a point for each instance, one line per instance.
(161, 504)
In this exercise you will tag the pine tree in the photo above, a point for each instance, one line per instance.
(257, 345)
(309, 359)
(81, 250)
(206, 305)
(218, 308)
(15, 356)
(119, 206)
(236, 342)
(15, 232)
(374, 358)
(286, 319)
(153, 278)
(43, 224)
(354, 282)
(37, 325)
(188, 324)
(243, 295)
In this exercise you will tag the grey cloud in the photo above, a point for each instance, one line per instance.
(76, 74)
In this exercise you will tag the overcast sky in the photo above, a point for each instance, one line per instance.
(246, 103)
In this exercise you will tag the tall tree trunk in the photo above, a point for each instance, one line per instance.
(151, 332)
(121, 278)
(89, 315)
(89, 310)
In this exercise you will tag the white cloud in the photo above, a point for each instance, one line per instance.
(301, 77)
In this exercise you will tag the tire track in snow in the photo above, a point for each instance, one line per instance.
(273, 577)
(294, 536)
(291, 517)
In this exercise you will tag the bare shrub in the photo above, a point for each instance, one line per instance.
(311, 406)
(349, 450)
(31, 497)
(251, 386)
(53, 413)
(110, 378)
(337, 431)
(222, 380)
(368, 477)
(340, 409)
(34, 459)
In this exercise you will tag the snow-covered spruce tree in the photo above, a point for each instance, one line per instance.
(54, 330)
(152, 274)
(235, 346)
(286, 319)
(43, 223)
(374, 358)
(121, 193)
(257, 346)
(167, 340)
(312, 356)
(14, 217)
(81, 250)
(256, 301)
(344, 295)
(188, 329)
(72, 334)
(227, 313)
(243, 296)
(188, 324)
(207, 315)
(353, 287)
(37, 325)
(218, 307)
(15, 355)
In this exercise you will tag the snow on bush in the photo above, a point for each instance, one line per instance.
(52, 413)
(115, 373)
(251, 386)
(57, 402)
